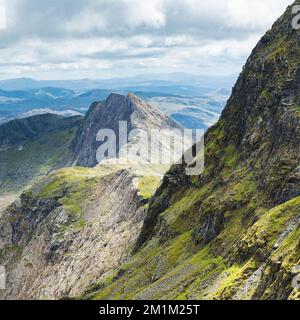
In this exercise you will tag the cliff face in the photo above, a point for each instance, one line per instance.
(232, 233)
(262, 116)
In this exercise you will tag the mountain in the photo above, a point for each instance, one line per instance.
(191, 112)
(32, 146)
(64, 113)
(18, 103)
(19, 84)
(18, 132)
(173, 94)
(197, 82)
(82, 219)
(116, 232)
(233, 232)
(137, 113)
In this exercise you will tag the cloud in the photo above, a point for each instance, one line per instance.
(75, 38)
(2, 17)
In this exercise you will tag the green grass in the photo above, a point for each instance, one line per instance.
(147, 185)
(72, 187)
(22, 168)
(297, 107)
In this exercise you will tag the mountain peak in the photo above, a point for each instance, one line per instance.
(115, 98)
(133, 97)
(106, 115)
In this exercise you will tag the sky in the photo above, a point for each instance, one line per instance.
(73, 39)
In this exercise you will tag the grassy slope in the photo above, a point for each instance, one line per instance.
(177, 268)
(40, 153)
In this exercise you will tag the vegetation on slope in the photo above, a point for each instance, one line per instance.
(232, 233)
(33, 147)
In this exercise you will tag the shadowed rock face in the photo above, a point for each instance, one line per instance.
(261, 118)
(107, 115)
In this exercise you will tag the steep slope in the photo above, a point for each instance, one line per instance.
(137, 113)
(20, 131)
(32, 146)
(77, 224)
(70, 229)
(232, 233)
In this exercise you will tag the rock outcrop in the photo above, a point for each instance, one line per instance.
(70, 229)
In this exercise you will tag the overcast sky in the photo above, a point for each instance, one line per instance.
(68, 39)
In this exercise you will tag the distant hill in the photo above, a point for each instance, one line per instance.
(14, 104)
(175, 102)
(19, 96)
(31, 147)
(146, 80)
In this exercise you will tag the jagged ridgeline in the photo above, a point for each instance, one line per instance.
(107, 114)
(232, 233)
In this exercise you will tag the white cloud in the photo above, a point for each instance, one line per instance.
(92, 38)
(255, 14)
(146, 13)
(2, 17)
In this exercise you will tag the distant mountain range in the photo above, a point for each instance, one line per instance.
(198, 83)
(194, 101)
(17, 103)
